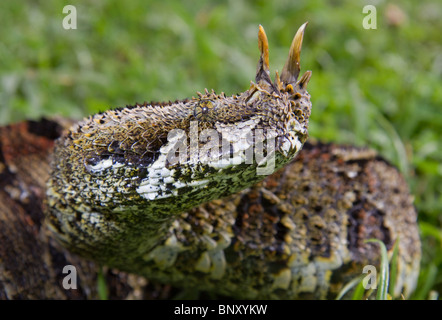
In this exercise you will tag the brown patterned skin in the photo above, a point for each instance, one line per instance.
(310, 220)
(31, 262)
(299, 234)
(119, 187)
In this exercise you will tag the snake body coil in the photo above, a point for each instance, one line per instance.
(123, 182)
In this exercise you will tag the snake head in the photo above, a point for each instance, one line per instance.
(291, 105)
(121, 172)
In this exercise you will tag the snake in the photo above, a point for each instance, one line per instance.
(175, 192)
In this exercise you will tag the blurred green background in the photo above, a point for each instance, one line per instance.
(380, 88)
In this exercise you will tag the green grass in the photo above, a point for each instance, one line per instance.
(385, 281)
(379, 88)
(102, 288)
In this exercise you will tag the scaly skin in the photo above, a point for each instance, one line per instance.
(122, 181)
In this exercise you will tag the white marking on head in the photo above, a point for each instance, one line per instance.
(100, 166)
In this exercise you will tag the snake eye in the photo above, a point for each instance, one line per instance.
(205, 110)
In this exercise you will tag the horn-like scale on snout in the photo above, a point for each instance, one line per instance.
(292, 67)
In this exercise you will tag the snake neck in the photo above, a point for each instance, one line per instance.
(119, 178)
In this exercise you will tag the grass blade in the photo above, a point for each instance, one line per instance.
(358, 294)
(102, 285)
(393, 267)
(349, 286)
(382, 293)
